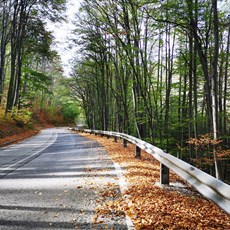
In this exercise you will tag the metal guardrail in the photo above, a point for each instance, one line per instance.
(211, 188)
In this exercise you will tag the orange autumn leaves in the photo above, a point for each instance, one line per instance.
(152, 207)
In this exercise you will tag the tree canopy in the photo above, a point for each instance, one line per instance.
(158, 70)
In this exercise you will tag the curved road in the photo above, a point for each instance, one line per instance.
(55, 181)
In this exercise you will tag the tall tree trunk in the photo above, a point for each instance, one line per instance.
(226, 75)
(214, 81)
(195, 76)
(4, 40)
(190, 97)
(20, 17)
(14, 52)
(169, 73)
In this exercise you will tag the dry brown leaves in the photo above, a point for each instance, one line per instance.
(19, 136)
(109, 205)
(153, 207)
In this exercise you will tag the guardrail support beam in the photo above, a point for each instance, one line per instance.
(164, 174)
(124, 143)
(138, 152)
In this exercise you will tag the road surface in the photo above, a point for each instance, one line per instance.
(56, 180)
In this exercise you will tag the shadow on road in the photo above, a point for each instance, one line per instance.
(60, 189)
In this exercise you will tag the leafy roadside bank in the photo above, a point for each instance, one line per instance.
(152, 207)
(23, 124)
(23, 134)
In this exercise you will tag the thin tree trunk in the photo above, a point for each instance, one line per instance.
(226, 82)
(214, 81)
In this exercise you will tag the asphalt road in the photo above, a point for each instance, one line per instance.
(56, 180)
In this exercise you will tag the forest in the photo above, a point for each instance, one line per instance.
(158, 70)
(31, 78)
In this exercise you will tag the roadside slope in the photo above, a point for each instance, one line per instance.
(12, 130)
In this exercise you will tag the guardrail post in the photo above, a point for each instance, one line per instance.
(138, 152)
(124, 143)
(164, 174)
(115, 139)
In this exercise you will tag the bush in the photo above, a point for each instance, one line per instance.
(21, 117)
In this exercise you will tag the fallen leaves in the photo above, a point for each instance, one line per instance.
(150, 206)
(11, 133)
(109, 208)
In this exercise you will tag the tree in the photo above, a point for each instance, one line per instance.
(161, 66)
(5, 7)
(22, 14)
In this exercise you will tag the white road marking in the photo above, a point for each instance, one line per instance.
(123, 187)
(14, 166)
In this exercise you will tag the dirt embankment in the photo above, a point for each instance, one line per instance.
(12, 131)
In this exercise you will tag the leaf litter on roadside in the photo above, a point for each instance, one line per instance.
(108, 208)
(150, 206)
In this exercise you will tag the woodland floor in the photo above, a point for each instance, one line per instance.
(145, 202)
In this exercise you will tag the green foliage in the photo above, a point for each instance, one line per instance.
(34, 83)
(22, 117)
(38, 41)
(38, 80)
(70, 111)
(15, 122)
